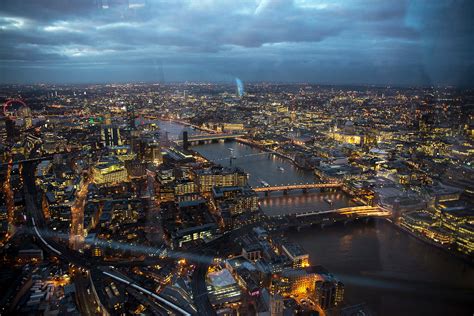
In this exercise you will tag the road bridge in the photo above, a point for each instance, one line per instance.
(199, 139)
(301, 186)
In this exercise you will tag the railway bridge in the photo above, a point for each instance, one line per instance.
(325, 218)
(302, 186)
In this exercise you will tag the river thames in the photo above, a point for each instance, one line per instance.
(392, 272)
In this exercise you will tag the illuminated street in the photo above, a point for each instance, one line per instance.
(227, 158)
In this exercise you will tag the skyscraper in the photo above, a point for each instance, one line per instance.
(3, 130)
(12, 132)
(185, 140)
(153, 153)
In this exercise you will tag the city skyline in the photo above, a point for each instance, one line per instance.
(237, 157)
(192, 199)
(403, 43)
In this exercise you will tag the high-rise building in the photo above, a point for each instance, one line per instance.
(110, 136)
(153, 153)
(135, 142)
(329, 292)
(185, 140)
(3, 130)
(131, 117)
(12, 132)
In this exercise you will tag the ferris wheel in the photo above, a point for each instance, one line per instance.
(15, 108)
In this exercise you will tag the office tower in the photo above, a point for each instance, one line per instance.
(3, 130)
(131, 117)
(12, 133)
(153, 153)
(135, 142)
(110, 136)
(185, 140)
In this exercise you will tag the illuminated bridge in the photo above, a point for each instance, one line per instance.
(326, 218)
(193, 140)
(304, 187)
(348, 211)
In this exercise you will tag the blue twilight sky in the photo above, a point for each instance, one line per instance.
(419, 42)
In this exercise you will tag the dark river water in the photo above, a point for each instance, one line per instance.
(392, 272)
(275, 171)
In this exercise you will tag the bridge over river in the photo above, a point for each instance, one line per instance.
(208, 138)
(302, 186)
(325, 218)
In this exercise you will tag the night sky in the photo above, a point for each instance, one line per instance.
(396, 42)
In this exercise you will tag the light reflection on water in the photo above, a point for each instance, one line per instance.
(296, 202)
(263, 167)
(391, 271)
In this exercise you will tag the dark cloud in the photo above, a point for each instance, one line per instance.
(334, 41)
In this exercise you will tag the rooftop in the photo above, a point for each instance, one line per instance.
(221, 278)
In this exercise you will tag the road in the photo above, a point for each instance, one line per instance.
(201, 299)
(86, 301)
(84, 297)
(203, 254)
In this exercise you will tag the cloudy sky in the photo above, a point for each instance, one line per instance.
(422, 42)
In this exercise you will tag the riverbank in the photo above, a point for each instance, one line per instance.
(240, 140)
(386, 268)
(203, 129)
(258, 146)
(282, 203)
(392, 272)
(452, 252)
